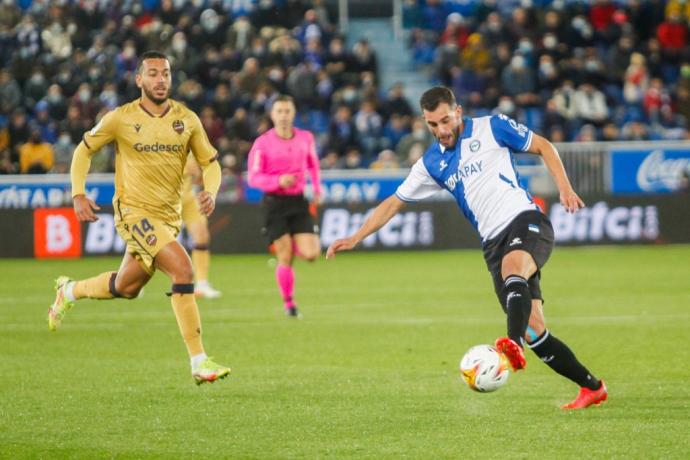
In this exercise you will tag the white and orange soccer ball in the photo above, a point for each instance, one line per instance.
(484, 369)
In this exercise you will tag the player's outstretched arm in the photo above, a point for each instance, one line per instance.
(382, 214)
(569, 199)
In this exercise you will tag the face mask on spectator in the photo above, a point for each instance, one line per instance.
(84, 95)
(525, 46)
(506, 106)
(518, 62)
(591, 65)
(550, 42)
(64, 140)
(547, 68)
(349, 95)
(179, 45)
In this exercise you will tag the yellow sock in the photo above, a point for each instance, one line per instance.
(201, 259)
(187, 314)
(97, 287)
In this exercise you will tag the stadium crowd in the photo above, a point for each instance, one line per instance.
(598, 70)
(572, 70)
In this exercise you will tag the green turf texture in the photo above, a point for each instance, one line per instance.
(370, 372)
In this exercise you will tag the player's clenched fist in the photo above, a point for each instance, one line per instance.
(84, 208)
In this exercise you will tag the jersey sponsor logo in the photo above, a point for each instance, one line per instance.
(178, 126)
(463, 172)
(474, 146)
(158, 147)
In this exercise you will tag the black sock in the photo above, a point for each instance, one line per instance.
(561, 359)
(518, 306)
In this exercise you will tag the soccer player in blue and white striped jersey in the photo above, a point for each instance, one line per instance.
(473, 160)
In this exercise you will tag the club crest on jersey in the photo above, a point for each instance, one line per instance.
(137, 127)
(178, 126)
(151, 240)
(474, 146)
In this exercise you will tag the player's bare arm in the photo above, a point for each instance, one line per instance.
(568, 198)
(381, 215)
(84, 208)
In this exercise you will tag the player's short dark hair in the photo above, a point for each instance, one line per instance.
(151, 54)
(435, 96)
(284, 98)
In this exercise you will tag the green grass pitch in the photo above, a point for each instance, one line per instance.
(371, 371)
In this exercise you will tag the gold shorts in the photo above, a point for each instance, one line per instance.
(190, 209)
(145, 237)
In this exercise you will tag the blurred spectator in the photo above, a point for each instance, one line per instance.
(396, 103)
(634, 131)
(368, 124)
(590, 104)
(456, 32)
(419, 135)
(44, 123)
(636, 79)
(35, 156)
(519, 82)
(386, 159)
(393, 131)
(657, 100)
(10, 92)
(673, 35)
(493, 31)
(610, 132)
(554, 121)
(587, 133)
(63, 150)
(19, 133)
(341, 132)
(352, 159)
(364, 57)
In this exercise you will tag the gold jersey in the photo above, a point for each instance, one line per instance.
(151, 152)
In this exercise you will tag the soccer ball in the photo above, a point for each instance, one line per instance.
(484, 369)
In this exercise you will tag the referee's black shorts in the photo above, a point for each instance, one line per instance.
(530, 231)
(286, 214)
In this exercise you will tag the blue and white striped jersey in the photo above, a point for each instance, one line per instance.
(479, 172)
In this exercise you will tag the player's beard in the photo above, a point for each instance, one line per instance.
(157, 100)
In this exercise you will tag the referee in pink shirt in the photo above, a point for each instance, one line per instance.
(278, 165)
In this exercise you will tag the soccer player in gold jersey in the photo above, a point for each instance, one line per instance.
(153, 136)
(196, 224)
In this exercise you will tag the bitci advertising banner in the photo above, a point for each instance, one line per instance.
(57, 233)
(649, 171)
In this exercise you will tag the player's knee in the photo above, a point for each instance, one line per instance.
(183, 274)
(129, 292)
(312, 254)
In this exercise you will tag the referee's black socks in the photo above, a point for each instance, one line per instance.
(518, 306)
(561, 359)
